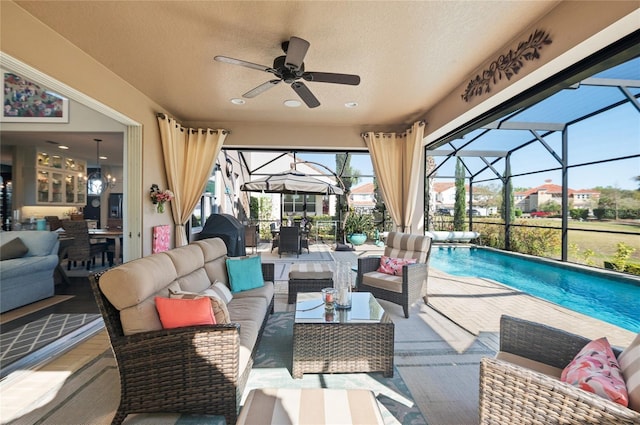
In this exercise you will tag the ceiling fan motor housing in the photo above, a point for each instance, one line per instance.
(287, 74)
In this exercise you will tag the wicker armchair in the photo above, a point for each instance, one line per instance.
(192, 370)
(512, 394)
(403, 290)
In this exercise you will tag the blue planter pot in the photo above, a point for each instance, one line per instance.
(357, 238)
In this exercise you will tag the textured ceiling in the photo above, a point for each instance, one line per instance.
(409, 54)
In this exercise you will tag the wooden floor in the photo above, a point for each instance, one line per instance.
(437, 350)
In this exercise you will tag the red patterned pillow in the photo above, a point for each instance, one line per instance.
(393, 266)
(595, 369)
(177, 313)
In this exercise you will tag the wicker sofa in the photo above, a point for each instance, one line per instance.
(195, 369)
(521, 384)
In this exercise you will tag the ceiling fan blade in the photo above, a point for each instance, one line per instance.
(329, 77)
(261, 88)
(305, 94)
(246, 64)
(296, 51)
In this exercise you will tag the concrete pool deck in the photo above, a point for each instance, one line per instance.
(476, 305)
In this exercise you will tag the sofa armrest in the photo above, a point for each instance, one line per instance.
(513, 394)
(268, 272)
(414, 277)
(366, 265)
(212, 347)
(539, 342)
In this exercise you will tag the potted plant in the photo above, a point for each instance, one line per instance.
(357, 227)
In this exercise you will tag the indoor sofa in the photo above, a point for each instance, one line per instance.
(194, 369)
(28, 276)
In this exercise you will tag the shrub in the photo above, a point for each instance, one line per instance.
(535, 241)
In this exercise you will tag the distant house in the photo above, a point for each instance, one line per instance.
(445, 196)
(363, 198)
(533, 199)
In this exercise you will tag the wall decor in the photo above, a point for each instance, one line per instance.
(507, 65)
(26, 101)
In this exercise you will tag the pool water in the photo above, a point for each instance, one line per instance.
(616, 301)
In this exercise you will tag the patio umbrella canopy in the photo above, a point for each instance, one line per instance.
(291, 182)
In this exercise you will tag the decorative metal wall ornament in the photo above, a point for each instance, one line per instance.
(507, 65)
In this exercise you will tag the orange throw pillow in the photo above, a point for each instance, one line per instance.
(178, 313)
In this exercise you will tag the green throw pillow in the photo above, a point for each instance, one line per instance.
(245, 273)
(15, 248)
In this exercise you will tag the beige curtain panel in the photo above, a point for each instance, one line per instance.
(189, 157)
(396, 164)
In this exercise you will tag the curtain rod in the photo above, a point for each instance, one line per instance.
(387, 134)
(163, 116)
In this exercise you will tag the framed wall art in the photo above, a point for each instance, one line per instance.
(29, 102)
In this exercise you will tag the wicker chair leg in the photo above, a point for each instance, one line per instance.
(405, 307)
(119, 417)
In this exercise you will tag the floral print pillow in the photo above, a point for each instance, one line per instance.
(595, 369)
(393, 266)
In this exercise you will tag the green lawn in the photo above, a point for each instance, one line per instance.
(604, 245)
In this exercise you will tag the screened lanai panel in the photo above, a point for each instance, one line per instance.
(612, 134)
(629, 70)
(569, 105)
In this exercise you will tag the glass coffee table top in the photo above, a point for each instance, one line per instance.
(364, 309)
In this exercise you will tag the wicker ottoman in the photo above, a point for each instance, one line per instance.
(317, 406)
(308, 277)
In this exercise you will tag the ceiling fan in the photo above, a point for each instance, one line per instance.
(290, 69)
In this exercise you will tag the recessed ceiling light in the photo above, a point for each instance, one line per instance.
(292, 103)
(63, 147)
(103, 157)
(238, 101)
(351, 104)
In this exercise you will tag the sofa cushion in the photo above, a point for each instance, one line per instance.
(215, 254)
(15, 248)
(186, 259)
(539, 367)
(265, 293)
(222, 290)
(245, 273)
(595, 369)
(405, 245)
(196, 281)
(393, 266)
(629, 361)
(383, 281)
(177, 313)
(218, 306)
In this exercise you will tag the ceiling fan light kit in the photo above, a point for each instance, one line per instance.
(290, 69)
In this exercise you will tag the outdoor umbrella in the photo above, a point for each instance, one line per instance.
(292, 182)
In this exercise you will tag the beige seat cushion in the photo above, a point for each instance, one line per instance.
(264, 292)
(309, 406)
(383, 281)
(310, 271)
(543, 368)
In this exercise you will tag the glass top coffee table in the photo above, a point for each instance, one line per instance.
(359, 339)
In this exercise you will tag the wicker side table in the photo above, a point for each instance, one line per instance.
(345, 341)
(308, 277)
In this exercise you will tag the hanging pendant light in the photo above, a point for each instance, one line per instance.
(96, 182)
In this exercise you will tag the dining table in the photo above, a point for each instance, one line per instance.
(113, 234)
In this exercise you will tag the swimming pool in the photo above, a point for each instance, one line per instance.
(612, 300)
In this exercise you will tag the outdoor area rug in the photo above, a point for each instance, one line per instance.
(91, 395)
(273, 364)
(26, 340)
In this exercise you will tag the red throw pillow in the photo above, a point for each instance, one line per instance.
(393, 266)
(178, 313)
(595, 369)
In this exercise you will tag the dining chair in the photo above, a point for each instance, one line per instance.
(82, 249)
(289, 240)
